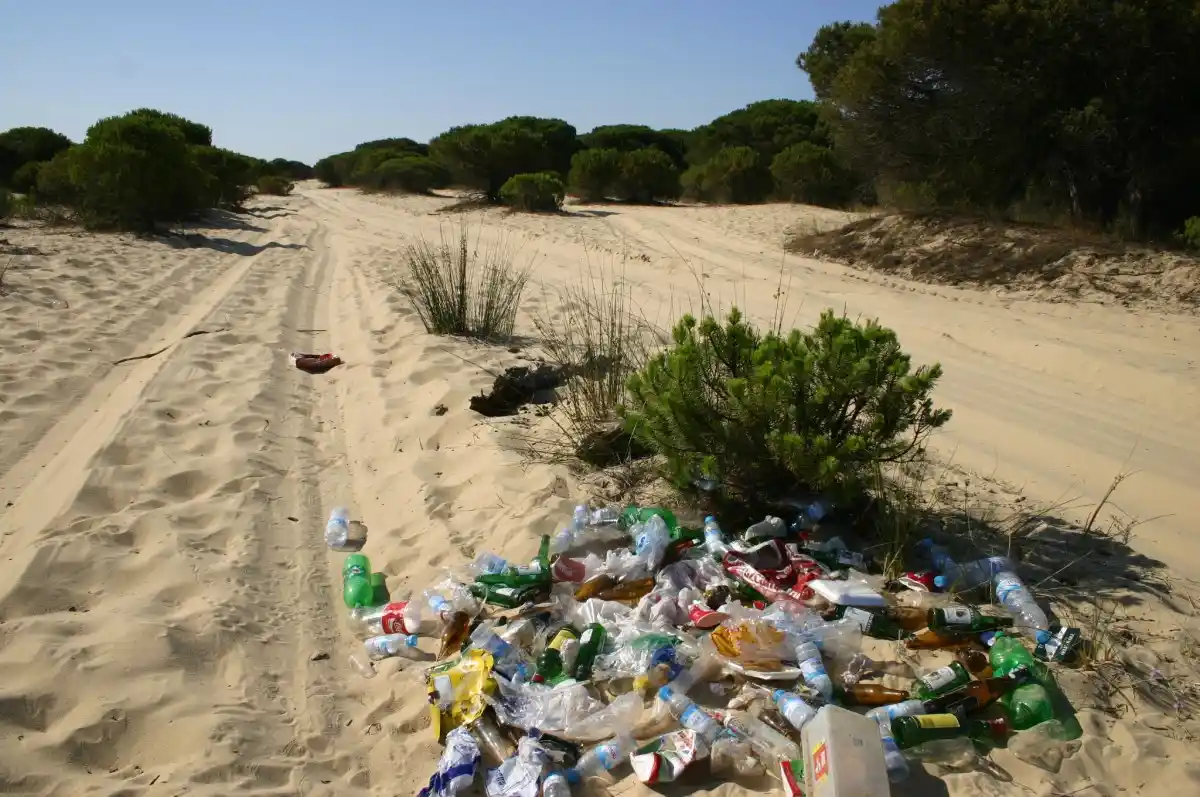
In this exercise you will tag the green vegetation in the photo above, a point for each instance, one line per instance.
(541, 192)
(275, 185)
(733, 174)
(459, 288)
(773, 414)
(22, 146)
(6, 203)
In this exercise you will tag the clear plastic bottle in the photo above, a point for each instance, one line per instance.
(602, 758)
(337, 529)
(714, 538)
(793, 708)
(489, 563)
(897, 765)
(690, 715)
(812, 669)
(386, 646)
(507, 658)
(556, 785)
(1018, 601)
(907, 708)
(768, 744)
(650, 541)
(770, 526)
(588, 525)
(811, 514)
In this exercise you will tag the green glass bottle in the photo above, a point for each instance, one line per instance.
(537, 572)
(957, 619)
(910, 732)
(640, 514)
(550, 661)
(873, 625)
(507, 597)
(940, 681)
(591, 643)
(1028, 705)
(357, 589)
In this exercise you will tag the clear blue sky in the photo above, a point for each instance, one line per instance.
(307, 78)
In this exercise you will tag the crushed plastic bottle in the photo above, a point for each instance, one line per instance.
(388, 646)
(337, 529)
(1018, 601)
(650, 541)
(556, 785)
(793, 708)
(602, 758)
(690, 715)
(812, 669)
(768, 744)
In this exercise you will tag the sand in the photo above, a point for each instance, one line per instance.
(169, 617)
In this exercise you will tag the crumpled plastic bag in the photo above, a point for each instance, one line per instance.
(567, 711)
(518, 775)
(753, 643)
(456, 768)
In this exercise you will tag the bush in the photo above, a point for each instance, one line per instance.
(648, 175)
(809, 173)
(228, 175)
(275, 185)
(734, 174)
(460, 290)
(771, 415)
(594, 173)
(54, 180)
(6, 203)
(414, 174)
(485, 157)
(335, 170)
(24, 179)
(1189, 236)
(542, 192)
(193, 133)
(134, 171)
(22, 145)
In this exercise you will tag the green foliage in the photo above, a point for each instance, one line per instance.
(135, 171)
(22, 145)
(594, 173)
(54, 179)
(1189, 236)
(1077, 102)
(293, 170)
(6, 203)
(831, 49)
(808, 173)
(541, 192)
(228, 175)
(733, 174)
(335, 171)
(648, 175)
(414, 174)
(627, 138)
(462, 289)
(274, 185)
(770, 414)
(193, 132)
(24, 179)
(401, 146)
(767, 127)
(485, 157)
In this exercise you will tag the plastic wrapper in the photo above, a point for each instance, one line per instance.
(456, 768)
(567, 711)
(752, 643)
(458, 690)
(518, 775)
(775, 569)
(664, 759)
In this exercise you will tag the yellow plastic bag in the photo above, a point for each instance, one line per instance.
(457, 690)
(755, 644)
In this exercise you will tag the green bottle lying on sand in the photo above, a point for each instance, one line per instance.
(910, 732)
(1033, 703)
(535, 573)
(357, 589)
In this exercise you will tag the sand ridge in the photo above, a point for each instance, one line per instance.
(169, 619)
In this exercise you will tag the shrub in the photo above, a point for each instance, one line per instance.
(228, 175)
(813, 174)
(534, 193)
(485, 157)
(770, 415)
(54, 179)
(734, 174)
(193, 132)
(294, 170)
(335, 170)
(414, 174)
(648, 175)
(1189, 236)
(6, 203)
(134, 171)
(275, 185)
(594, 173)
(460, 290)
(24, 179)
(22, 145)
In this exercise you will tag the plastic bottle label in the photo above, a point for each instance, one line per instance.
(560, 639)
(392, 621)
(1006, 586)
(812, 668)
(694, 718)
(608, 755)
(938, 721)
(958, 615)
(939, 678)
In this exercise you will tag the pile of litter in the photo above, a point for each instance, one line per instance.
(635, 641)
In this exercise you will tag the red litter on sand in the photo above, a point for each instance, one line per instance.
(665, 759)
(792, 775)
(315, 363)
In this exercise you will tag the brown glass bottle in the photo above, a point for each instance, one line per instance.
(976, 662)
(928, 639)
(871, 695)
(978, 693)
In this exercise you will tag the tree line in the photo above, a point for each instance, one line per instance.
(770, 149)
(135, 171)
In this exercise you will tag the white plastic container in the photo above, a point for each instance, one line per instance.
(847, 593)
(843, 756)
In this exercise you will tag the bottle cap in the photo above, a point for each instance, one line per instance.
(573, 777)
(710, 519)
(1043, 637)
(665, 692)
(777, 694)
(941, 582)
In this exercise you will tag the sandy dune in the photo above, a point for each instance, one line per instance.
(169, 617)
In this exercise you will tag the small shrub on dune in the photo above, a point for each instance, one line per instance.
(770, 415)
(24, 179)
(458, 288)
(648, 175)
(413, 174)
(275, 185)
(1189, 236)
(808, 173)
(542, 192)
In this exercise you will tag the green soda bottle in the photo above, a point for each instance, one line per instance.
(960, 619)
(550, 662)
(532, 574)
(639, 514)
(910, 732)
(940, 681)
(357, 589)
(591, 642)
(1033, 703)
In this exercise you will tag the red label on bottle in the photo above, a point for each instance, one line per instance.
(392, 620)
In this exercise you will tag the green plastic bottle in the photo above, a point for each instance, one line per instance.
(940, 681)
(357, 589)
(959, 619)
(591, 643)
(910, 732)
(1033, 703)
(550, 661)
(640, 514)
(537, 572)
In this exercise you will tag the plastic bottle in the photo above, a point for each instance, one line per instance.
(1017, 600)
(536, 572)
(968, 576)
(650, 541)
(556, 785)
(811, 514)
(604, 516)
(389, 645)
(591, 643)
(487, 563)
(357, 589)
(506, 657)
(714, 539)
(906, 708)
(636, 515)
(602, 758)
(861, 664)
(690, 715)
(587, 525)
(769, 745)
(897, 765)
(376, 620)
(812, 669)
(337, 529)
(793, 708)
